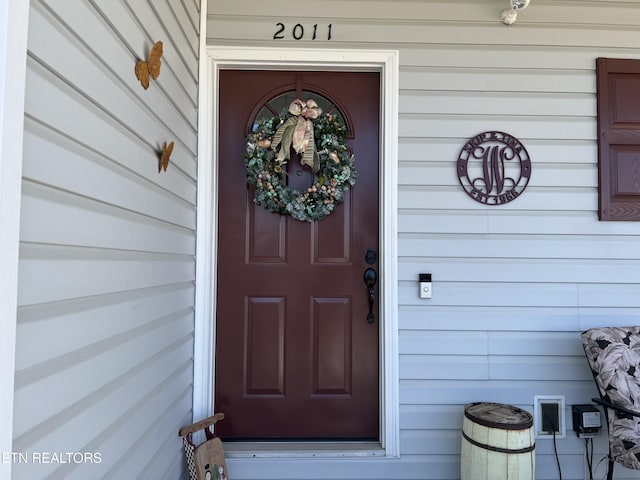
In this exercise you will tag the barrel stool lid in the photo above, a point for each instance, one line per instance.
(498, 415)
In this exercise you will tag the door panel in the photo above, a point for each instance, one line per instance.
(332, 346)
(264, 349)
(295, 355)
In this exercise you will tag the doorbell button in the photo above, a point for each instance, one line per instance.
(425, 285)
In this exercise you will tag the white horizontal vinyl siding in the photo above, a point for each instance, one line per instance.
(512, 285)
(104, 348)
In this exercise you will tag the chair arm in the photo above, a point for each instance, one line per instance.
(610, 405)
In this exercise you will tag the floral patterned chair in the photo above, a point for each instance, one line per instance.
(614, 357)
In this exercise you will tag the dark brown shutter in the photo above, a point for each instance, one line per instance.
(618, 93)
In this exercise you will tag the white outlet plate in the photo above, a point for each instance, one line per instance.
(537, 415)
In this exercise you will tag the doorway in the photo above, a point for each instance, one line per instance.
(217, 59)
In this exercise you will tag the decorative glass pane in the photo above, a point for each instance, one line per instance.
(276, 106)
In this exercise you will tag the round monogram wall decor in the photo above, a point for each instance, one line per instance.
(494, 168)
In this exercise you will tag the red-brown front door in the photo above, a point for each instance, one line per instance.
(296, 357)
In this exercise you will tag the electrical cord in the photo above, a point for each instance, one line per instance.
(588, 445)
(554, 428)
(555, 449)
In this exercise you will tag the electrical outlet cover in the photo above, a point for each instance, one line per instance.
(550, 417)
(539, 426)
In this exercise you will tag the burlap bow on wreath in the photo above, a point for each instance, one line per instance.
(297, 132)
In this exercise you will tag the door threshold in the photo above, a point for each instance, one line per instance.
(303, 449)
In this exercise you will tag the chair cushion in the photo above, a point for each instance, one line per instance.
(614, 357)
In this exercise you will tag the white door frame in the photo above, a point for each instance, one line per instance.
(221, 58)
(14, 21)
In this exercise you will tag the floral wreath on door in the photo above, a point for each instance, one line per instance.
(318, 139)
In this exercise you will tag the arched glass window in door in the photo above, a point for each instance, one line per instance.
(279, 105)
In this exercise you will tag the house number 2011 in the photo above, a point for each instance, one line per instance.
(298, 32)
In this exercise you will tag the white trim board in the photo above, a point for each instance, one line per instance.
(221, 58)
(14, 20)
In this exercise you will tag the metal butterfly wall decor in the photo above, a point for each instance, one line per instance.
(165, 156)
(151, 67)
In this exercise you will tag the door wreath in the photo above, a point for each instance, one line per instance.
(319, 140)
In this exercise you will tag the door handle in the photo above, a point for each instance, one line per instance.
(370, 279)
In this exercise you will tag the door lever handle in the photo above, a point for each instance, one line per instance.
(370, 279)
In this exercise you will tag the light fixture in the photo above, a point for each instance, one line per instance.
(510, 15)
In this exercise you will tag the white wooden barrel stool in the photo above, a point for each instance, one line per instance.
(497, 443)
